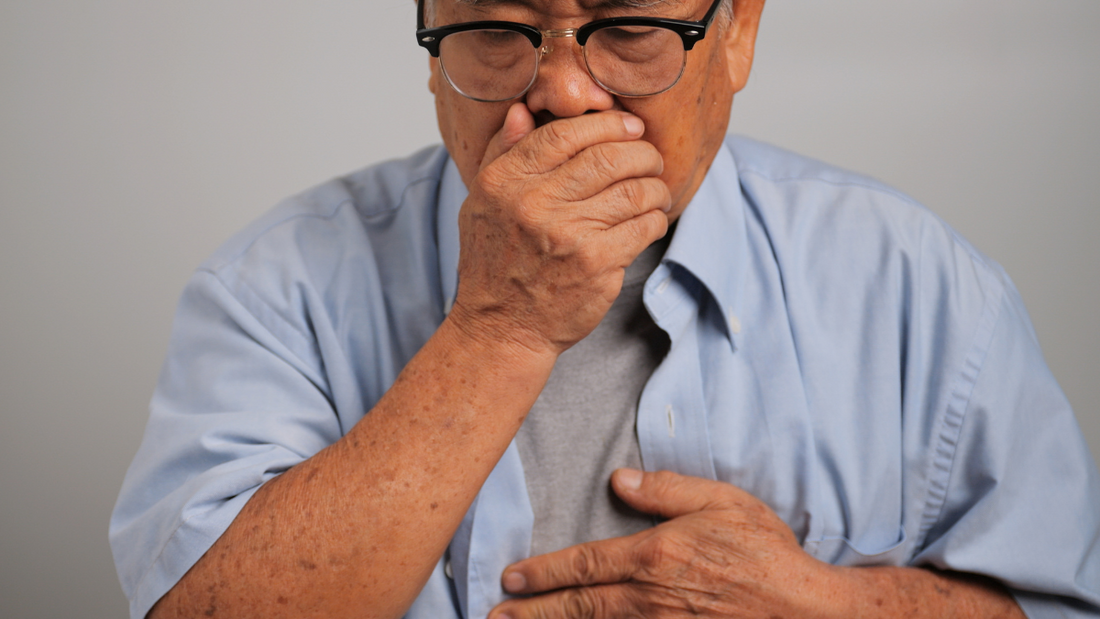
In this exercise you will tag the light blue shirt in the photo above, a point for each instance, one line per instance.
(837, 351)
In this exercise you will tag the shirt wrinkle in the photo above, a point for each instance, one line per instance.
(304, 341)
(844, 411)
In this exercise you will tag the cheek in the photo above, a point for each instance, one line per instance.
(466, 128)
(679, 132)
(712, 104)
(687, 125)
(703, 119)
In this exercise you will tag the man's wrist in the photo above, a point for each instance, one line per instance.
(874, 592)
(500, 347)
(506, 340)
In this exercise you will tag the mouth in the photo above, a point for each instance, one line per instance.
(543, 117)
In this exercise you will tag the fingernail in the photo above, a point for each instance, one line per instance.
(631, 479)
(634, 125)
(514, 582)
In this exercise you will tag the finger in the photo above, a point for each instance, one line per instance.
(600, 602)
(601, 165)
(601, 562)
(623, 201)
(670, 495)
(518, 123)
(633, 197)
(556, 142)
(629, 238)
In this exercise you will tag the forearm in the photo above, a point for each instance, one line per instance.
(357, 529)
(916, 593)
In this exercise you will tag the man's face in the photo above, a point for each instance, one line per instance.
(686, 123)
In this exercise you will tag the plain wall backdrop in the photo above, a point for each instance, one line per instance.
(137, 136)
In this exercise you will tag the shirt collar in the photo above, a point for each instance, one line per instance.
(710, 242)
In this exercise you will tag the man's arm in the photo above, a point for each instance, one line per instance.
(356, 529)
(722, 554)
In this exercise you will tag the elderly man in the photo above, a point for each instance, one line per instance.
(405, 392)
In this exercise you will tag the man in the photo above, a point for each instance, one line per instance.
(841, 404)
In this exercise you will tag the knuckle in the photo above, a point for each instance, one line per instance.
(657, 551)
(605, 157)
(525, 212)
(522, 160)
(632, 191)
(561, 190)
(584, 565)
(579, 604)
(648, 227)
(489, 181)
(559, 135)
(527, 159)
(645, 193)
(558, 244)
(654, 225)
(534, 611)
(637, 231)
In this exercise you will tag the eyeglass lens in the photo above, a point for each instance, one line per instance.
(489, 65)
(497, 65)
(635, 60)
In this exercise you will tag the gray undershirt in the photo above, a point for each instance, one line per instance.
(582, 427)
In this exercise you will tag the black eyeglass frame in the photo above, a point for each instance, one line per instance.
(691, 32)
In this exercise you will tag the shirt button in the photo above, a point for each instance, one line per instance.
(447, 569)
(735, 324)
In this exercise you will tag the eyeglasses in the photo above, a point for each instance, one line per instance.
(499, 60)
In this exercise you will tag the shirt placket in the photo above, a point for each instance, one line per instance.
(672, 415)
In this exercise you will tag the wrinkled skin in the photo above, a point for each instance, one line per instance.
(555, 220)
(722, 553)
(561, 200)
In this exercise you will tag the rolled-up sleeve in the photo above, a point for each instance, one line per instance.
(240, 399)
(1022, 498)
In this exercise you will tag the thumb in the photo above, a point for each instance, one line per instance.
(667, 494)
(517, 124)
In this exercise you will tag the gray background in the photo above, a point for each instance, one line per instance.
(136, 136)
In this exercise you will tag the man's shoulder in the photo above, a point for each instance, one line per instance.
(340, 211)
(364, 240)
(818, 204)
(830, 229)
(763, 165)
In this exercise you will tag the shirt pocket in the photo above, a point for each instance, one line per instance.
(877, 548)
(857, 516)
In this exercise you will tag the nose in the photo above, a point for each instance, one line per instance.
(564, 87)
